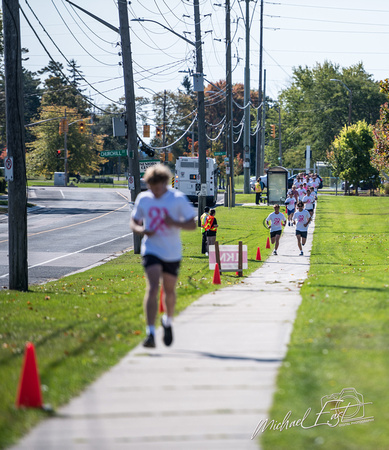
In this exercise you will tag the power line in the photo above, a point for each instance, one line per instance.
(56, 46)
(74, 37)
(59, 69)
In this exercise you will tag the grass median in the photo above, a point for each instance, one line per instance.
(83, 324)
(340, 338)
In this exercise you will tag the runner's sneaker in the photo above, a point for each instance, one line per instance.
(274, 252)
(301, 253)
(168, 334)
(149, 341)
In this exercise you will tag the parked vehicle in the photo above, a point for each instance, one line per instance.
(187, 178)
(372, 183)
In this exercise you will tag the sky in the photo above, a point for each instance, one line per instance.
(296, 33)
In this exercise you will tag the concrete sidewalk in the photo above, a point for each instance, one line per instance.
(210, 389)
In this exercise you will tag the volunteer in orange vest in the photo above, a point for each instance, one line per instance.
(211, 228)
(203, 219)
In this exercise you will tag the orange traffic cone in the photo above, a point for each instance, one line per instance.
(268, 243)
(258, 257)
(161, 301)
(216, 275)
(29, 391)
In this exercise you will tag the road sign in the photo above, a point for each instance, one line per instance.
(219, 153)
(113, 153)
(9, 168)
(131, 182)
(144, 164)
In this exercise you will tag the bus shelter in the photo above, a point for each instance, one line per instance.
(277, 185)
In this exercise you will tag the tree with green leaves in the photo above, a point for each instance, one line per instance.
(43, 157)
(349, 155)
(314, 108)
(380, 151)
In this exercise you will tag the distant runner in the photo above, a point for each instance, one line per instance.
(301, 219)
(277, 221)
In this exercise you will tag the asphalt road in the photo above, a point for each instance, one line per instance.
(69, 230)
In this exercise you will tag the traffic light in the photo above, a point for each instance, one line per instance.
(81, 127)
(63, 126)
(159, 132)
(146, 131)
(58, 153)
(273, 130)
(149, 151)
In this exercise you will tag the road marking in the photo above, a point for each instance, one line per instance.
(63, 195)
(73, 224)
(73, 253)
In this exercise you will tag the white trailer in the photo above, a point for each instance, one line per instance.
(187, 178)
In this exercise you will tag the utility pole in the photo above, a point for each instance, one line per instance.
(17, 198)
(262, 152)
(65, 150)
(229, 198)
(247, 127)
(279, 136)
(200, 116)
(132, 141)
(164, 127)
(259, 163)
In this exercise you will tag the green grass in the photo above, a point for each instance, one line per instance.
(341, 334)
(83, 324)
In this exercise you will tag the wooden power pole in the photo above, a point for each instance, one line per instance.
(132, 140)
(17, 198)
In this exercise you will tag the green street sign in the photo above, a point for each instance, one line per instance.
(219, 153)
(113, 153)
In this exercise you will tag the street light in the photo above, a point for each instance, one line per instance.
(350, 98)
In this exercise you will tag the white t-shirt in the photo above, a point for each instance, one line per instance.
(309, 200)
(276, 221)
(166, 242)
(301, 218)
(301, 192)
(290, 202)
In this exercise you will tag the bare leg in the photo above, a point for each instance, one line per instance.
(169, 286)
(150, 301)
(277, 236)
(299, 242)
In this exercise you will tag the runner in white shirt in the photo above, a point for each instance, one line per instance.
(290, 203)
(301, 192)
(301, 218)
(159, 214)
(277, 221)
(309, 201)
